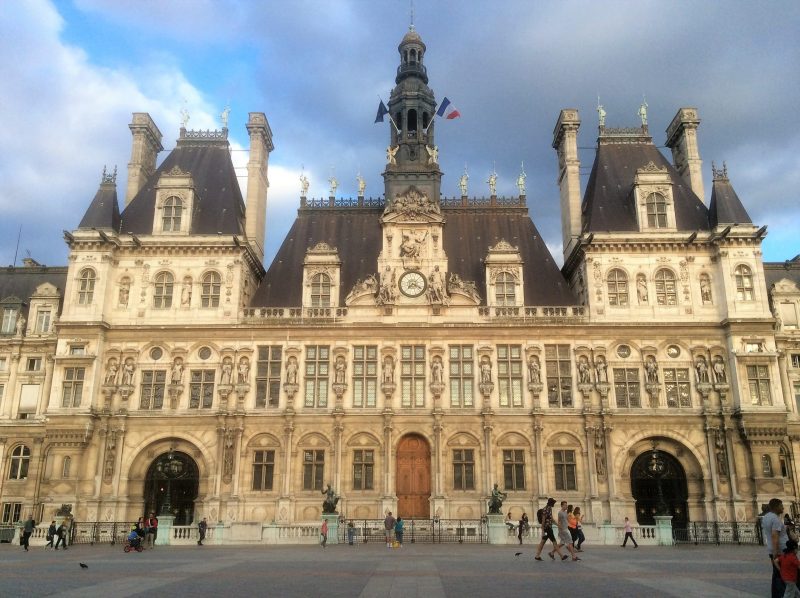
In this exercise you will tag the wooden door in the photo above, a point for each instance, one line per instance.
(413, 478)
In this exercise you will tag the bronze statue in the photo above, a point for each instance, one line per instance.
(496, 500)
(329, 504)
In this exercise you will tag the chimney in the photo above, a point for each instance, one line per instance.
(682, 140)
(144, 150)
(257, 181)
(565, 142)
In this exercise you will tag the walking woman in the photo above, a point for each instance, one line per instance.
(579, 529)
(572, 524)
(629, 534)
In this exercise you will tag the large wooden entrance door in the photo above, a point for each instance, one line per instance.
(413, 477)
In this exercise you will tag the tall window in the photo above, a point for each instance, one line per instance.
(211, 285)
(509, 375)
(666, 289)
(783, 461)
(162, 292)
(66, 465)
(461, 376)
(317, 365)
(171, 214)
(153, 382)
(86, 286)
(559, 375)
(656, 211)
(263, 470)
(766, 466)
(744, 283)
(617, 288)
(363, 466)
(320, 290)
(43, 321)
(627, 387)
(505, 289)
(9, 324)
(268, 376)
(201, 388)
(20, 460)
(795, 361)
(73, 387)
(365, 375)
(463, 469)
(33, 364)
(564, 462)
(12, 511)
(313, 469)
(758, 380)
(514, 469)
(412, 375)
(676, 384)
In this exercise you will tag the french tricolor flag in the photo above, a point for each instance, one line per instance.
(447, 110)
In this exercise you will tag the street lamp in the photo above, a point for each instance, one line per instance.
(657, 467)
(169, 467)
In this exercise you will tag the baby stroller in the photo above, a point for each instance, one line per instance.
(133, 542)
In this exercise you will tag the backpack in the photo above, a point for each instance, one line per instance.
(540, 516)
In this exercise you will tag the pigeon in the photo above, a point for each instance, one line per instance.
(517, 553)
(83, 565)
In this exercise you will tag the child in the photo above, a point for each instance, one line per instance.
(398, 531)
(324, 533)
(788, 564)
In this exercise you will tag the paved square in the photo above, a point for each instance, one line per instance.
(367, 570)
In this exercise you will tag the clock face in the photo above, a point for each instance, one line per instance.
(412, 284)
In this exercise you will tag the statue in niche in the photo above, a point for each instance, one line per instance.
(21, 321)
(124, 292)
(436, 292)
(719, 370)
(243, 373)
(641, 288)
(583, 371)
(291, 371)
(436, 371)
(486, 371)
(111, 454)
(127, 372)
(411, 246)
(111, 372)
(719, 452)
(601, 368)
(227, 463)
(227, 371)
(388, 370)
(534, 370)
(177, 371)
(388, 291)
(705, 289)
(651, 370)
(599, 453)
(186, 292)
(340, 370)
(701, 369)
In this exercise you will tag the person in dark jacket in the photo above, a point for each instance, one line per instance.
(61, 532)
(51, 534)
(27, 530)
(202, 527)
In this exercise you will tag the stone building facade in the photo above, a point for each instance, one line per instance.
(411, 350)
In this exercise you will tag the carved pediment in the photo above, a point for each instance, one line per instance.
(413, 205)
(45, 290)
(465, 289)
(651, 167)
(176, 171)
(784, 285)
(323, 248)
(363, 292)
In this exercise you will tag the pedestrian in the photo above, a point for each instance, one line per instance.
(61, 532)
(201, 528)
(773, 531)
(545, 517)
(398, 531)
(27, 530)
(572, 523)
(388, 526)
(51, 534)
(523, 525)
(564, 534)
(324, 533)
(579, 529)
(788, 566)
(629, 534)
(151, 527)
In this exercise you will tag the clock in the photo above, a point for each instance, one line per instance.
(412, 284)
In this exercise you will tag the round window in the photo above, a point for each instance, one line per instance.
(624, 351)
(673, 351)
(204, 353)
(156, 353)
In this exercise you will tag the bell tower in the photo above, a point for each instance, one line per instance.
(412, 155)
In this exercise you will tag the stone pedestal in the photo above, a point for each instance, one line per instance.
(333, 527)
(664, 530)
(498, 531)
(164, 530)
(607, 534)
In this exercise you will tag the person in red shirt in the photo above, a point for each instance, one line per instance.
(788, 564)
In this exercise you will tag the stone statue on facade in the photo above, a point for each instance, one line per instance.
(651, 370)
(339, 370)
(720, 376)
(643, 112)
(226, 112)
(127, 372)
(705, 289)
(21, 321)
(492, 183)
(486, 371)
(601, 368)
(534, 370)
(436, 290)
(436, 371)
(227, 372)
(719, 453)
(184, 117)
(521, 180)
(331, 500)
(291, 370)
(388, 370)
(388, 290)
(177, 371)
(641, 288)
(111, 372)
(599, 453)
(124, 292)
(701, 369)
(601, 114)
(304, 184)
(583, 371)
(362, 184)
(411, 246)
(186, 292)
(462, 182)
(496, 500)
(243, 373)
(334, 186)
(391, 153)
(433, 154)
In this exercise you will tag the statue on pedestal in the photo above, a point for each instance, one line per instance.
(329, 504)
(496, 500)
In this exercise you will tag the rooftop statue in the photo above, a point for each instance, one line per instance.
(521, 179)
(492, 183)
(304, 184)
(643, 112)
(462, 182)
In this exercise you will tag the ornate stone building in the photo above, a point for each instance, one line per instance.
(410, 351)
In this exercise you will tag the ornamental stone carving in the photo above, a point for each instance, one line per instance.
(651, 370)
(412, 205)
(243, 371)
(226, 379)
(128, 370)
(112, 370)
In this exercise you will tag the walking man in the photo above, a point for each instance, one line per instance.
(388, 525)
(547, 533)
(27, 530)
(202, 527)
(61, 532)
(51, 534)
(629, 534)
(564, 534)
(152, 529)
(775, 537)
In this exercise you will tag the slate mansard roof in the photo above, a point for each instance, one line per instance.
(21, 283)
(468, 234)
(725, 206)
(103, 212)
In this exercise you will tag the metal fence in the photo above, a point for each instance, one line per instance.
(109, 532)
(424, 531)
(712, 532)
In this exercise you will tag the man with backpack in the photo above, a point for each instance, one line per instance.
(545, 517)
(151, 527)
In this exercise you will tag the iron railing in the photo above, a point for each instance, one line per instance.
(713, 532)
(423, 531)
(93, 532)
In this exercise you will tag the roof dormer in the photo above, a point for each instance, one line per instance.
(652, 192)
(504, 282)
(175, 197)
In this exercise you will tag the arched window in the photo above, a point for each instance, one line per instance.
(783, 459)
(162, 293)
(666, 289)
(617, 288)
(211, 285)
(171, 214)
(412, 121)
(656, 211)
(65, 467)
(744, 283)
(405, 57)
(766, 466)
(413, 56)
(20, 459)
(321, 290)
(86, 286)
(505, 289)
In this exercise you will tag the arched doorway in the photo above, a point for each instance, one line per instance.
(172, 485)
(413, 477)
(654, 468)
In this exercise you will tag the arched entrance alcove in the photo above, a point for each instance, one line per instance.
(172, 484)
(413, 477)
(656, 470)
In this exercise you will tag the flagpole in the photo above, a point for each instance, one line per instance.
(389, 114)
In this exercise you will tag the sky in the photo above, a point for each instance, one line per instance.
(72, 73)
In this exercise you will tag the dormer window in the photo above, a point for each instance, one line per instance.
(162, 292)
(9, 320)
(656, 211)
(321, 272)
(652, 190)
(175, 196)
(744, 283)
(321, 290)
(86, 286)
(504, 290)
(171, 214)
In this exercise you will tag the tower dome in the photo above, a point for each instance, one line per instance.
(412, 51)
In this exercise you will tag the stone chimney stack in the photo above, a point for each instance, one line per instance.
(682, 140)
(565, 142)
(257, 181)
(144, 151)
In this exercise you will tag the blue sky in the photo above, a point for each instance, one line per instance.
(74, 71)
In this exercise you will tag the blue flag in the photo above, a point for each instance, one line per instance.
(382, 109)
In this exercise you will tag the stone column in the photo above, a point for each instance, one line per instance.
(338, 429)
(288, 432)
(46, 390)
(786, 387)
(540, 465)
(437, 455)
(712, 461)
(487, 453)
(591, 470)
(11, 389)
(612, 486)
(389, 491)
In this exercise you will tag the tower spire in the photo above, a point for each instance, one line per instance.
(411, 25)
